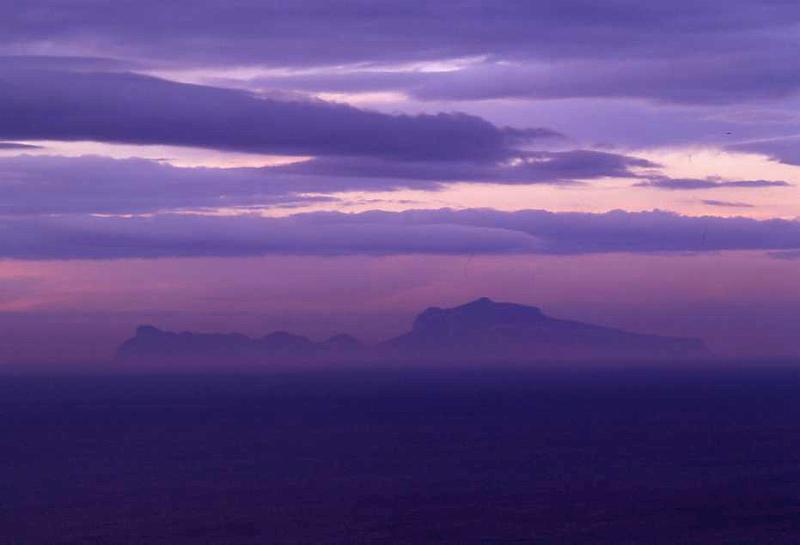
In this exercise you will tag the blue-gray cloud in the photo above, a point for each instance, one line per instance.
(457, 232)
(677, 184)
(39, 185)
(525, 168)
(306, 31)
(15, 146)
(685, 51)
(701, 80)
(93, 184)
(783, 149)
(727, 204)
(131, 108)
(709, 80)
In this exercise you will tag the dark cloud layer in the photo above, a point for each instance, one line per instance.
(708, 80)
(677, 184)
(130, 108)
(711, 80)
(72, 70)
(707, 51)
(14, 146)
(465, 232)
(791, 254)
(32, 185)
(82, 237)
(36, 185)
(727, 204)
(305, 31)
(526, 168)
(785, 149)
(93, 184)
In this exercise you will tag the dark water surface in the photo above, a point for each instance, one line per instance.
(416, 457)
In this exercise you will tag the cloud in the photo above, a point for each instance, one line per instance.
(82, 237)
(710, 80)
(674, 184)
(784, 149)
(707, 52)
(551, 167)
(34, 185)
(445, 231)
(727, 204)
(309, 32)
(788, 255)
(131, 108)
(64, 62)
(14, 146)
(31, 185)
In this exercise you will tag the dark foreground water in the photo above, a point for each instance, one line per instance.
(460, 457)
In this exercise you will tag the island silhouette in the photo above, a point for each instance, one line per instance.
(481, 331)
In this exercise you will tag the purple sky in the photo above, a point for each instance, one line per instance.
(321, 166)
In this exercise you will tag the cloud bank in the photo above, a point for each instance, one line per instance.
(687, 51)
(709, 183)
(444, 231)
(136, 109)
(38, 185)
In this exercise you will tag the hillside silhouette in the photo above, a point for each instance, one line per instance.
(479, 331)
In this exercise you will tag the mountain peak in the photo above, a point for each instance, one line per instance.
(147, 331)
(478, 314)
(488, 330)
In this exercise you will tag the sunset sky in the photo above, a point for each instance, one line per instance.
(243, 165)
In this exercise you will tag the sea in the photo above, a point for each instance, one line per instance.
(447, 456)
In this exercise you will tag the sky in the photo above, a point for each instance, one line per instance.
(242, 165)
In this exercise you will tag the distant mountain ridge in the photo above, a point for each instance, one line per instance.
(480, 331)
(511, 331)
(151, 342)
